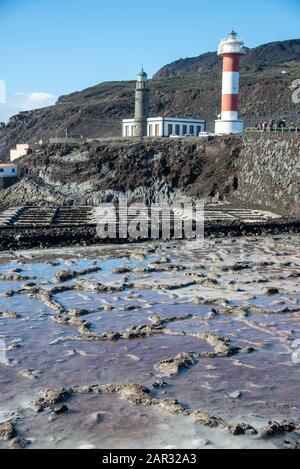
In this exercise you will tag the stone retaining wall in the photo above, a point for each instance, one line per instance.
(269, 172)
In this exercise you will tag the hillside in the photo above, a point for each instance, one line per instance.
(194, 91)
(271, 54)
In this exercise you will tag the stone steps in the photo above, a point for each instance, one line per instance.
(74, 216)
(9, 217)
(35, 217)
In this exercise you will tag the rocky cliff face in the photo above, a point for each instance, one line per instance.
(151, 171)
(258, 169)
(192, 88)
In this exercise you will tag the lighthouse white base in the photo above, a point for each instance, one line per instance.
(225, 127)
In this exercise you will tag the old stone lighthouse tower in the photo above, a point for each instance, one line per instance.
(141, 105)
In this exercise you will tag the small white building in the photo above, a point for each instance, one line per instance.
(22, 150)
(8, 170)
(166, 127)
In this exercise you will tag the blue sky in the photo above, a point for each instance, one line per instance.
(54, 47)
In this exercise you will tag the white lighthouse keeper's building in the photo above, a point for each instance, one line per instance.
(167, 127)
(231, 49)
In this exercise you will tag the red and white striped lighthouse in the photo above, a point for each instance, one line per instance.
(231, 50)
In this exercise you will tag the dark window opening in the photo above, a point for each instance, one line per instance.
(235, 184)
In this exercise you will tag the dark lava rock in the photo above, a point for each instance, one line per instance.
(7, 431)
(272, 291)
(159, 385)
(59, 410)
(18, 443)
(276, 428)
(291, 445)
(241, 429)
